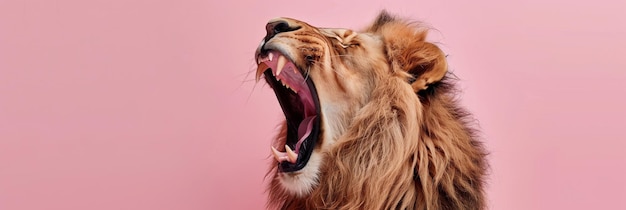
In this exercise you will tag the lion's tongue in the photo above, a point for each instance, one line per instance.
(304, 130)
(306, 126)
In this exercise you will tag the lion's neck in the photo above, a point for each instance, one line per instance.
(371, 165)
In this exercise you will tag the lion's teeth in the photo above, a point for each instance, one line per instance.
(271, 56)
(280, 64)
(287, 86)
(279, 156)
(260, 69)
(291, 155)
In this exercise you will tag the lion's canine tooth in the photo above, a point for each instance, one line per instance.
(292, 156)
(280, 64)
(259, 71)
(278, 156)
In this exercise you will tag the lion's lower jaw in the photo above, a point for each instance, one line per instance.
(301, 183)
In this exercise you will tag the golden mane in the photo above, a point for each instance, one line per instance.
(407, 145)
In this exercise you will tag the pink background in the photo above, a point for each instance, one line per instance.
(145, 105)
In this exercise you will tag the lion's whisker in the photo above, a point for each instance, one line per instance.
(335, 56)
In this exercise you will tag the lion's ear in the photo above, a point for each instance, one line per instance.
(383, 18)
(427, 64)
(408, 51)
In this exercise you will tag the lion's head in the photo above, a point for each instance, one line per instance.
(370, 120)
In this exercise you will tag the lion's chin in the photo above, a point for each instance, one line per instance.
(300, 183)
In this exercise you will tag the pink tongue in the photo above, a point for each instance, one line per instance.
(304, 130)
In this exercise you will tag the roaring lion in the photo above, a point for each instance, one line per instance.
(371, 120)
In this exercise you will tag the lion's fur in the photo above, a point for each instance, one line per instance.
(406, 143)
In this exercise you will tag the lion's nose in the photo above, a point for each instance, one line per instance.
(279, 25)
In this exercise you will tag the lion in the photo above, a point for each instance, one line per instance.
(371, 120)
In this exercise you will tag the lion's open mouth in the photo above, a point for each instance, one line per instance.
(300, 104)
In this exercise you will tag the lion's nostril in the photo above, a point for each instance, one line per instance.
(279, 26)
